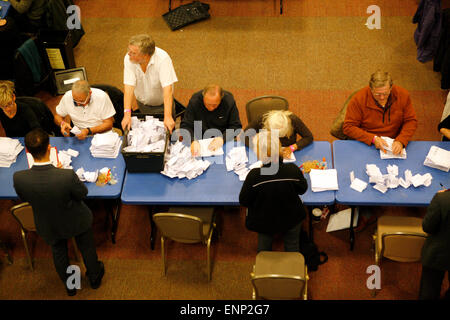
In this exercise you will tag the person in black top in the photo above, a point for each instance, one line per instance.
(216, 109)
(436, 249)
(272, 196)
(289, 126)
(17, 120)
(444, 128)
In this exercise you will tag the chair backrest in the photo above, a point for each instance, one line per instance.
(24, 215)
(260, 105)
(116, 96)
(179, 227)
(278, 286)
(402, 246)
(338, 123)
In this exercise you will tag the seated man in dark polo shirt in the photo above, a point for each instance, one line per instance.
(216, 109)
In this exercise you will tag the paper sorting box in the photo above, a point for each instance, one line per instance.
(144, 161)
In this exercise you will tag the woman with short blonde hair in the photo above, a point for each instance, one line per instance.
(289, 126)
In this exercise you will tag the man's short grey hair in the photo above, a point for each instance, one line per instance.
(380, 79)
(81, 86)
(144, 42)
(267, 146)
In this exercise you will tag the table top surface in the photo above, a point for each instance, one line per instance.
(216, 186)
(349, 155)
(84, 159)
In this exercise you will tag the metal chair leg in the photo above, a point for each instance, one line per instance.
(24, 238)
(163, 256)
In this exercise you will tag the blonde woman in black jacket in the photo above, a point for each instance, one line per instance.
(271, 194)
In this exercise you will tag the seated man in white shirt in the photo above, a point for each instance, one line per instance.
(148, 79)
(90, 109)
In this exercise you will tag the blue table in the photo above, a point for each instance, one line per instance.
(85, 160)
(215, 187)
(352, 155)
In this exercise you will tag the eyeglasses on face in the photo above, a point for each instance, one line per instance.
(8, 105)
(78, 103)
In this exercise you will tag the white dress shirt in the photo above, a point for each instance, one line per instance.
(148, 86)
(98, 109)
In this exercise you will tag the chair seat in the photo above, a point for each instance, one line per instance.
(393, 224)
(280, 263)
(204, 213)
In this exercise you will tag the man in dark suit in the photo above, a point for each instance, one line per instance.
(435, 252)
(56, 196)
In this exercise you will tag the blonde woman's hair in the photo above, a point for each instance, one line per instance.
(266, 146)
(279, 120)
(6, 92)
(144, 42)
(380, 79)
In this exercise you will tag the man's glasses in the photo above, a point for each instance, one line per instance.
(81, 104)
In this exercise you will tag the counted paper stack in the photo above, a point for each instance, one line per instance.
(438, 158)
(323, 180)
(105, 145)
(9, 150)
(236, 160)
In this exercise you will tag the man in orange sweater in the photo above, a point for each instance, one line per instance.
(381, 109)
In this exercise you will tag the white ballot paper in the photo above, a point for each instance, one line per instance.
(290, 159)
(341, 220)
(357, 184)
(75, 130)
(9, 150)
(323, 180)
(389, 154)
(205, 152)
(438, 158)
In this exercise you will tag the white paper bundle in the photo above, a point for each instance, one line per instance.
(9, 150)
(204, 150)
(105, 145)
(438, 158)
(389, 154)
(341, 220)
(323, 180)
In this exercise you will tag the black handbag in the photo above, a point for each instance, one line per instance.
(186, 14)
(309, 250)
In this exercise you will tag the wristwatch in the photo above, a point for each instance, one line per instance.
(89, 131)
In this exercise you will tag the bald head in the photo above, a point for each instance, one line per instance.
(212, 95)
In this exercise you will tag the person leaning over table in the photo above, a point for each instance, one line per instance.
(90, 109)
(216, 109)
(289, 126)
(273, 202)
(56, 196)
(444, 128)
(436, 249)
(16, 119)
(380, 109)
(148, 79)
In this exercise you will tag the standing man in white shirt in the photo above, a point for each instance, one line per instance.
(148, 81)
(90, 109)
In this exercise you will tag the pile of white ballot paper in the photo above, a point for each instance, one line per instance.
(323, 180)
(236, 160)
(180, 163)
(383, 182)
(438, 158)
(105, 145)
(146, 136)
(9, 150)
(389, 154)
